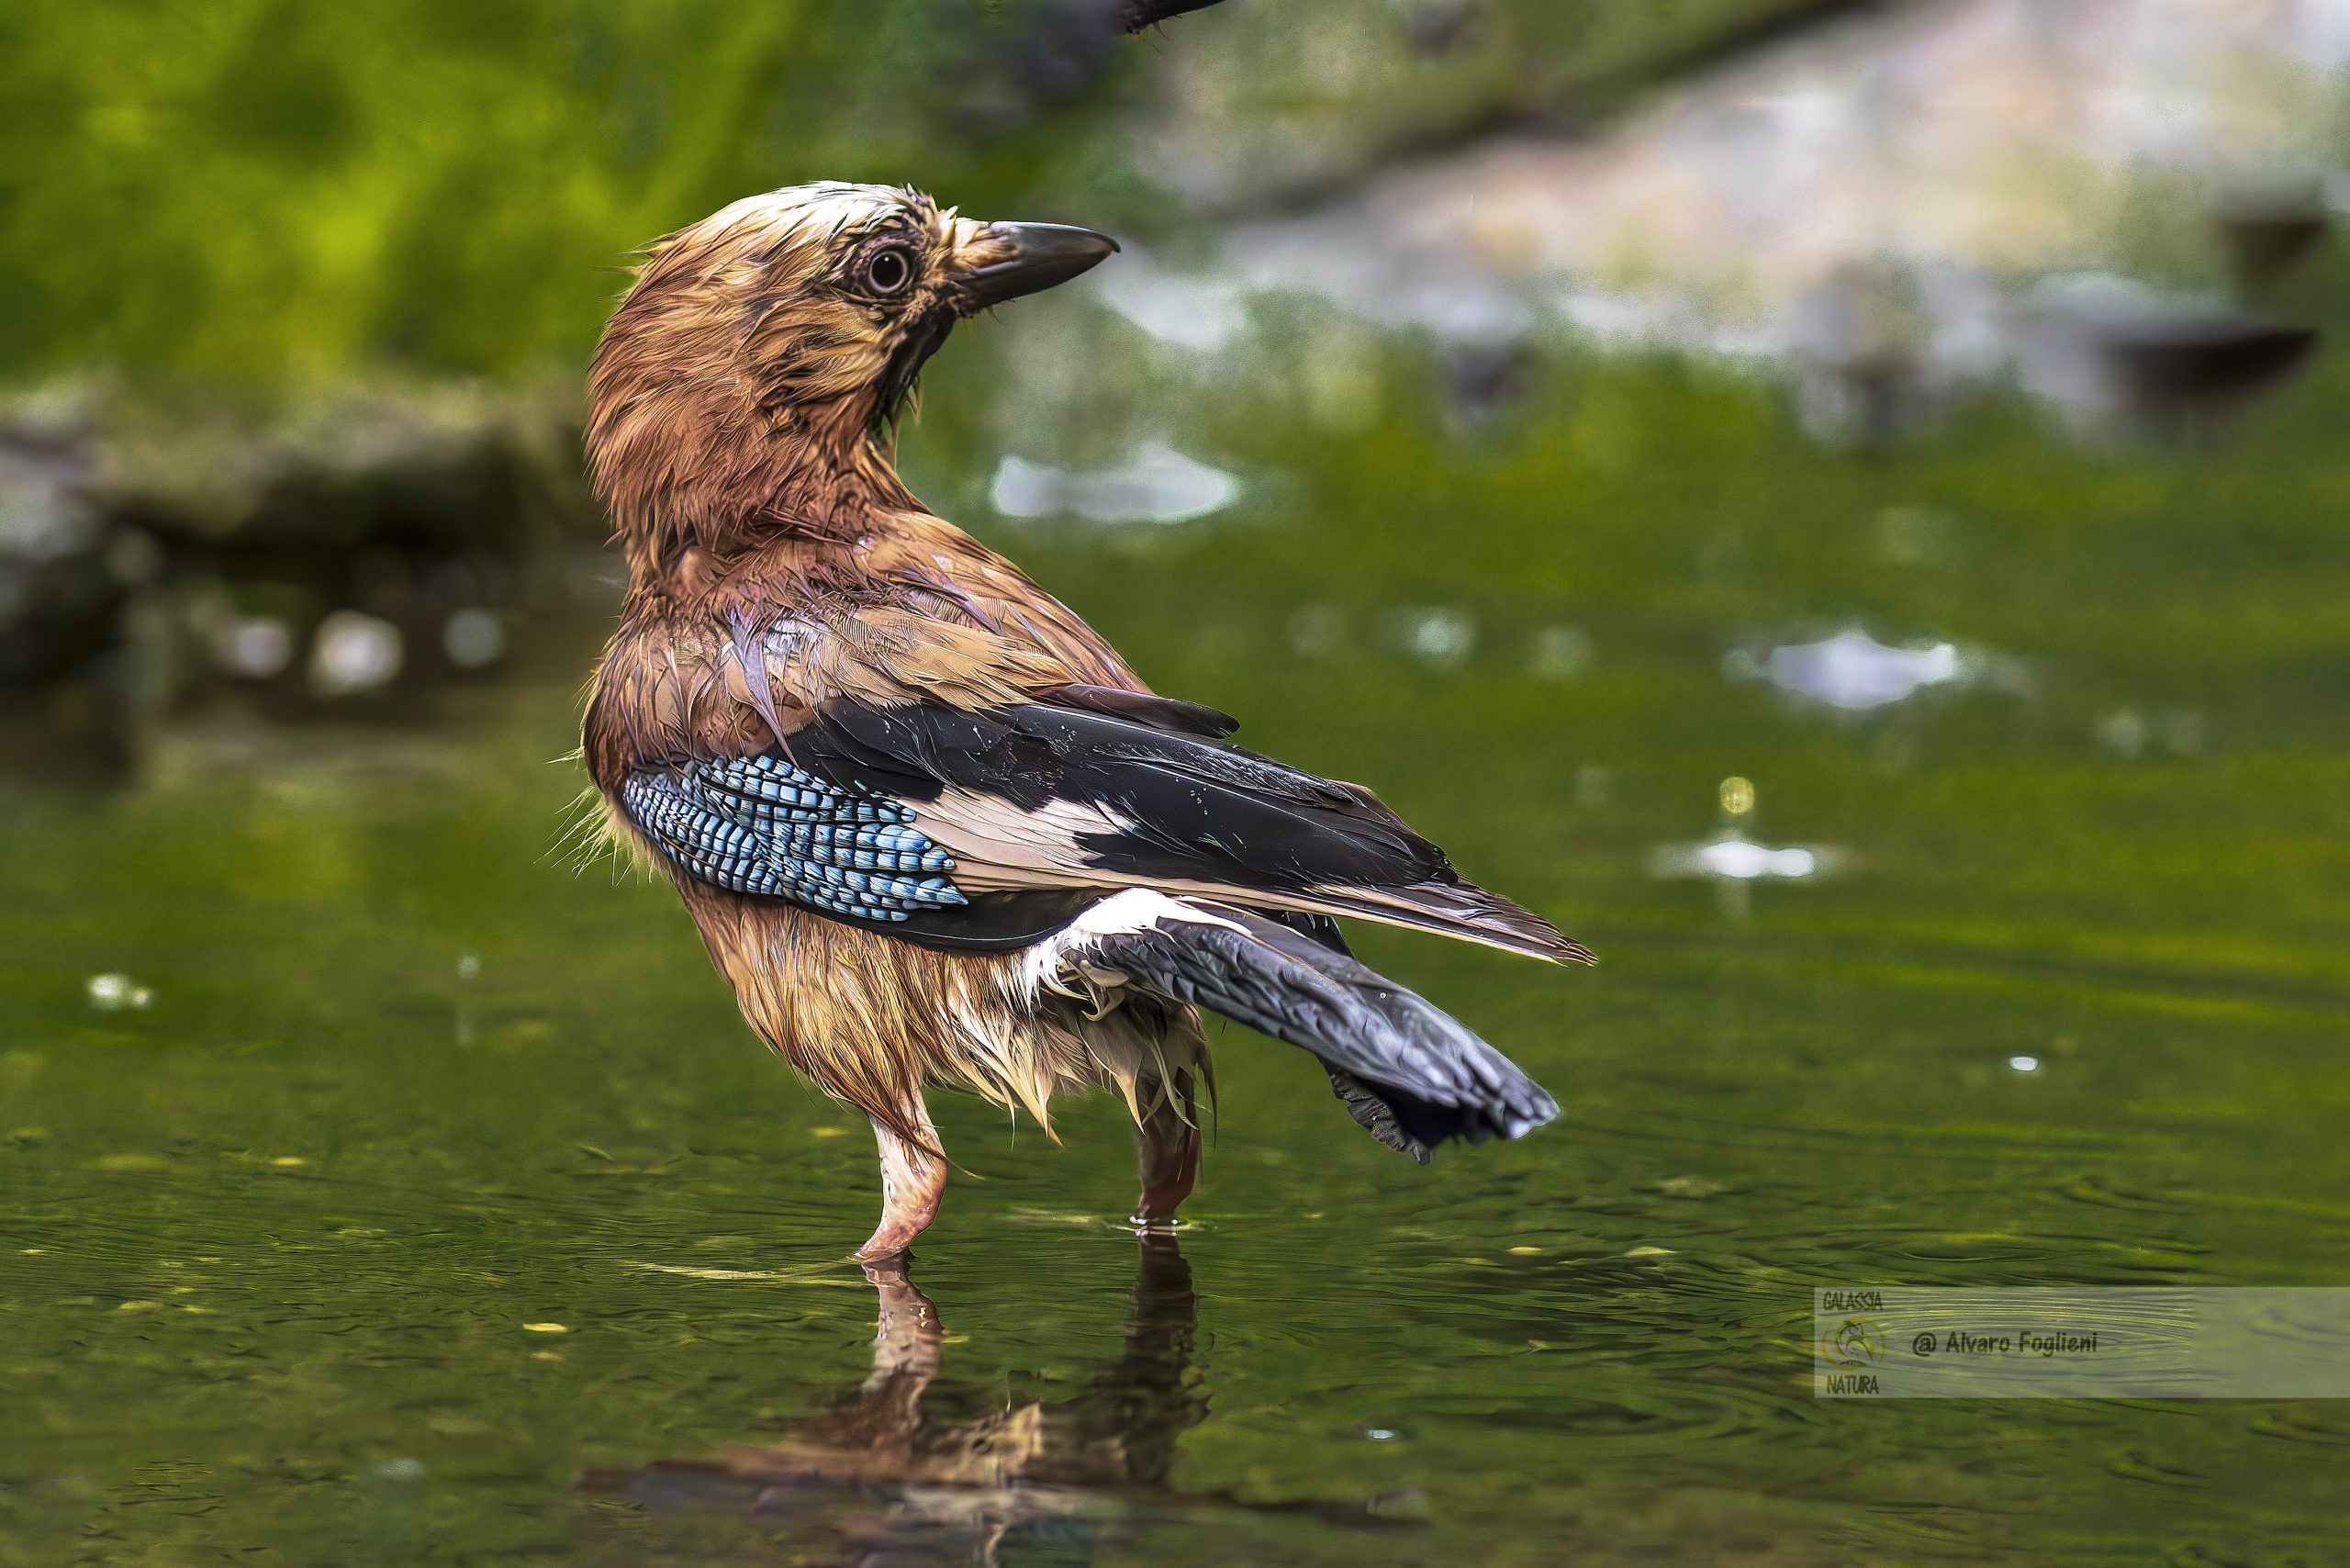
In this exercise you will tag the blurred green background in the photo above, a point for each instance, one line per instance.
(1900, 441)
(273, 192)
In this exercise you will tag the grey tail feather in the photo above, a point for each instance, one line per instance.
(1374, 1113)
(1410, 1074)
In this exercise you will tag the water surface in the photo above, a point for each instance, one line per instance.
(437, 1208)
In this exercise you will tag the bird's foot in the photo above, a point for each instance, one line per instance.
(890, 1243)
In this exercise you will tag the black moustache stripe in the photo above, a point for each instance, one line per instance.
(924, 338)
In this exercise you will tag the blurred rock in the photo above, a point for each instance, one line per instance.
(1481, 380)
(1265, 104)
(1436, 29)
(61, 599)
(150, 550)
(2271, 227)
(426, 470)
(1871, 207)
(2114, 355)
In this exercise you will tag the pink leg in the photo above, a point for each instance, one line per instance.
(1169, 1147)
(912, 1181)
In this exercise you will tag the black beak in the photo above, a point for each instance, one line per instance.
(1042, 255)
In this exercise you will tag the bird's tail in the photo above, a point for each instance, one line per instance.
(1455, 909)
(1411, 1075)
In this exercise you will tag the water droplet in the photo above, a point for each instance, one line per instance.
(1853, 670)
(1736, 859)
(1439, 635)
(1317, 630)
(1689, 1187)
(1562, 653)
(2122, 733)
(112, 992)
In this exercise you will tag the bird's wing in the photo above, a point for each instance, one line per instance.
(761, 826)
(962, 786)
(989, 828)
(1041, 795)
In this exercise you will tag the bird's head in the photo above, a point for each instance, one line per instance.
(765, 349)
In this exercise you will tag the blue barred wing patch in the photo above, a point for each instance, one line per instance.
(757, 824)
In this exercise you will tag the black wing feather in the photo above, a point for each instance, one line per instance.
(1189, 811)
(1199, 809)
(1170, 713)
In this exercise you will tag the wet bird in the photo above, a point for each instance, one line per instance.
(931, 827)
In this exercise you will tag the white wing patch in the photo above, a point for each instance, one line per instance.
(1058, 964)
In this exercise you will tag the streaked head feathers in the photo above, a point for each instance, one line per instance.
(760, 352)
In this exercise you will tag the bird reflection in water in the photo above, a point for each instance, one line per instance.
(896, 1471)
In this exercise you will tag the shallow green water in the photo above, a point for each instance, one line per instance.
(274, 1245)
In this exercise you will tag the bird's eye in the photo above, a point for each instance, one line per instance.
(888, 270)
